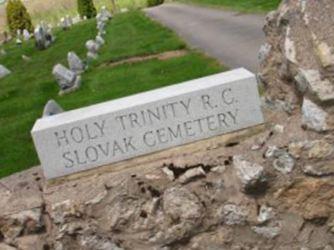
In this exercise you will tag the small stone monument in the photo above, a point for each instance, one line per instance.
(106, 13)
(76, 19)
(75, 63)
(43, 37)
(99, 40)
(66, 22)
(52, 108)
(4, 71)
(92, 47)
(67, 80)
(101, 28)
(26, 35)
(18, 37)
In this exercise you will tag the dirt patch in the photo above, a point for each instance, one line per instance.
(161, 56)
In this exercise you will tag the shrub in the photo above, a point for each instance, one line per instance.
(86, 8)
(151, 3)
(18, 17)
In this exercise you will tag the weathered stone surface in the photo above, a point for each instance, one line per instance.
(301, 59)
(52, 108)
(191, 174)
(264, 52)
(319, 169)
(75, 63)
(43, 36)
(92, 47)
(99, 40)
(234, 215)
(311, 79)
(251, 175)
(26, 35)
(146, 122)
(266, 213)
(67, 80)
(314, 117)
(269, 232)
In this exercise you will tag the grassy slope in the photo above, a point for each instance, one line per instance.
(241, 5)
(24, 93)
(52, 10)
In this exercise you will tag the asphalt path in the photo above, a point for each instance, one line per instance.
(232, 38)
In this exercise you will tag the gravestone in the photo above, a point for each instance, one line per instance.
(75, 63)
(99, 40)
(104, 15)
(43, 36)
(125, 128)
(26, 35)
(4, 71)
(101, 28)
(66, 22)
(67, 80)
(52, 108)
(92, 47)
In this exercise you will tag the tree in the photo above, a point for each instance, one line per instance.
(86, 8)
(151, 3)
(18, 17)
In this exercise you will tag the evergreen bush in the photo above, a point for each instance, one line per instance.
(18, 17)
(86, 8)
(151, 3)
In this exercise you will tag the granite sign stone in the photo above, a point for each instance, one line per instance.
(121, 129)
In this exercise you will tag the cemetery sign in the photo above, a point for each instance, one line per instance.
(117, 130)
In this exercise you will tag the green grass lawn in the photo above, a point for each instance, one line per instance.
(257, 6)
(24, 93)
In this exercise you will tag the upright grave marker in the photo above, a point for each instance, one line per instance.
(148, 122)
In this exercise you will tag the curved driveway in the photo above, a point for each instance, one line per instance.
(233, 38)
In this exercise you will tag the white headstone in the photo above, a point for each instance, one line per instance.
(52, 108)
(75, 63)
(4, 71)
(99, 40)
(26, 35)
(125, 128)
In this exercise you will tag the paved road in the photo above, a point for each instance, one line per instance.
(234, 39)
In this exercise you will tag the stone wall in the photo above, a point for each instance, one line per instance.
(268, 187)
(298, 59)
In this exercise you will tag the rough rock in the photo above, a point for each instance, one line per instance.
(314, 117)
(191, 174)
(251, 175)
(266, 213)
(267, 231)
(234, 215)
(301, 59)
